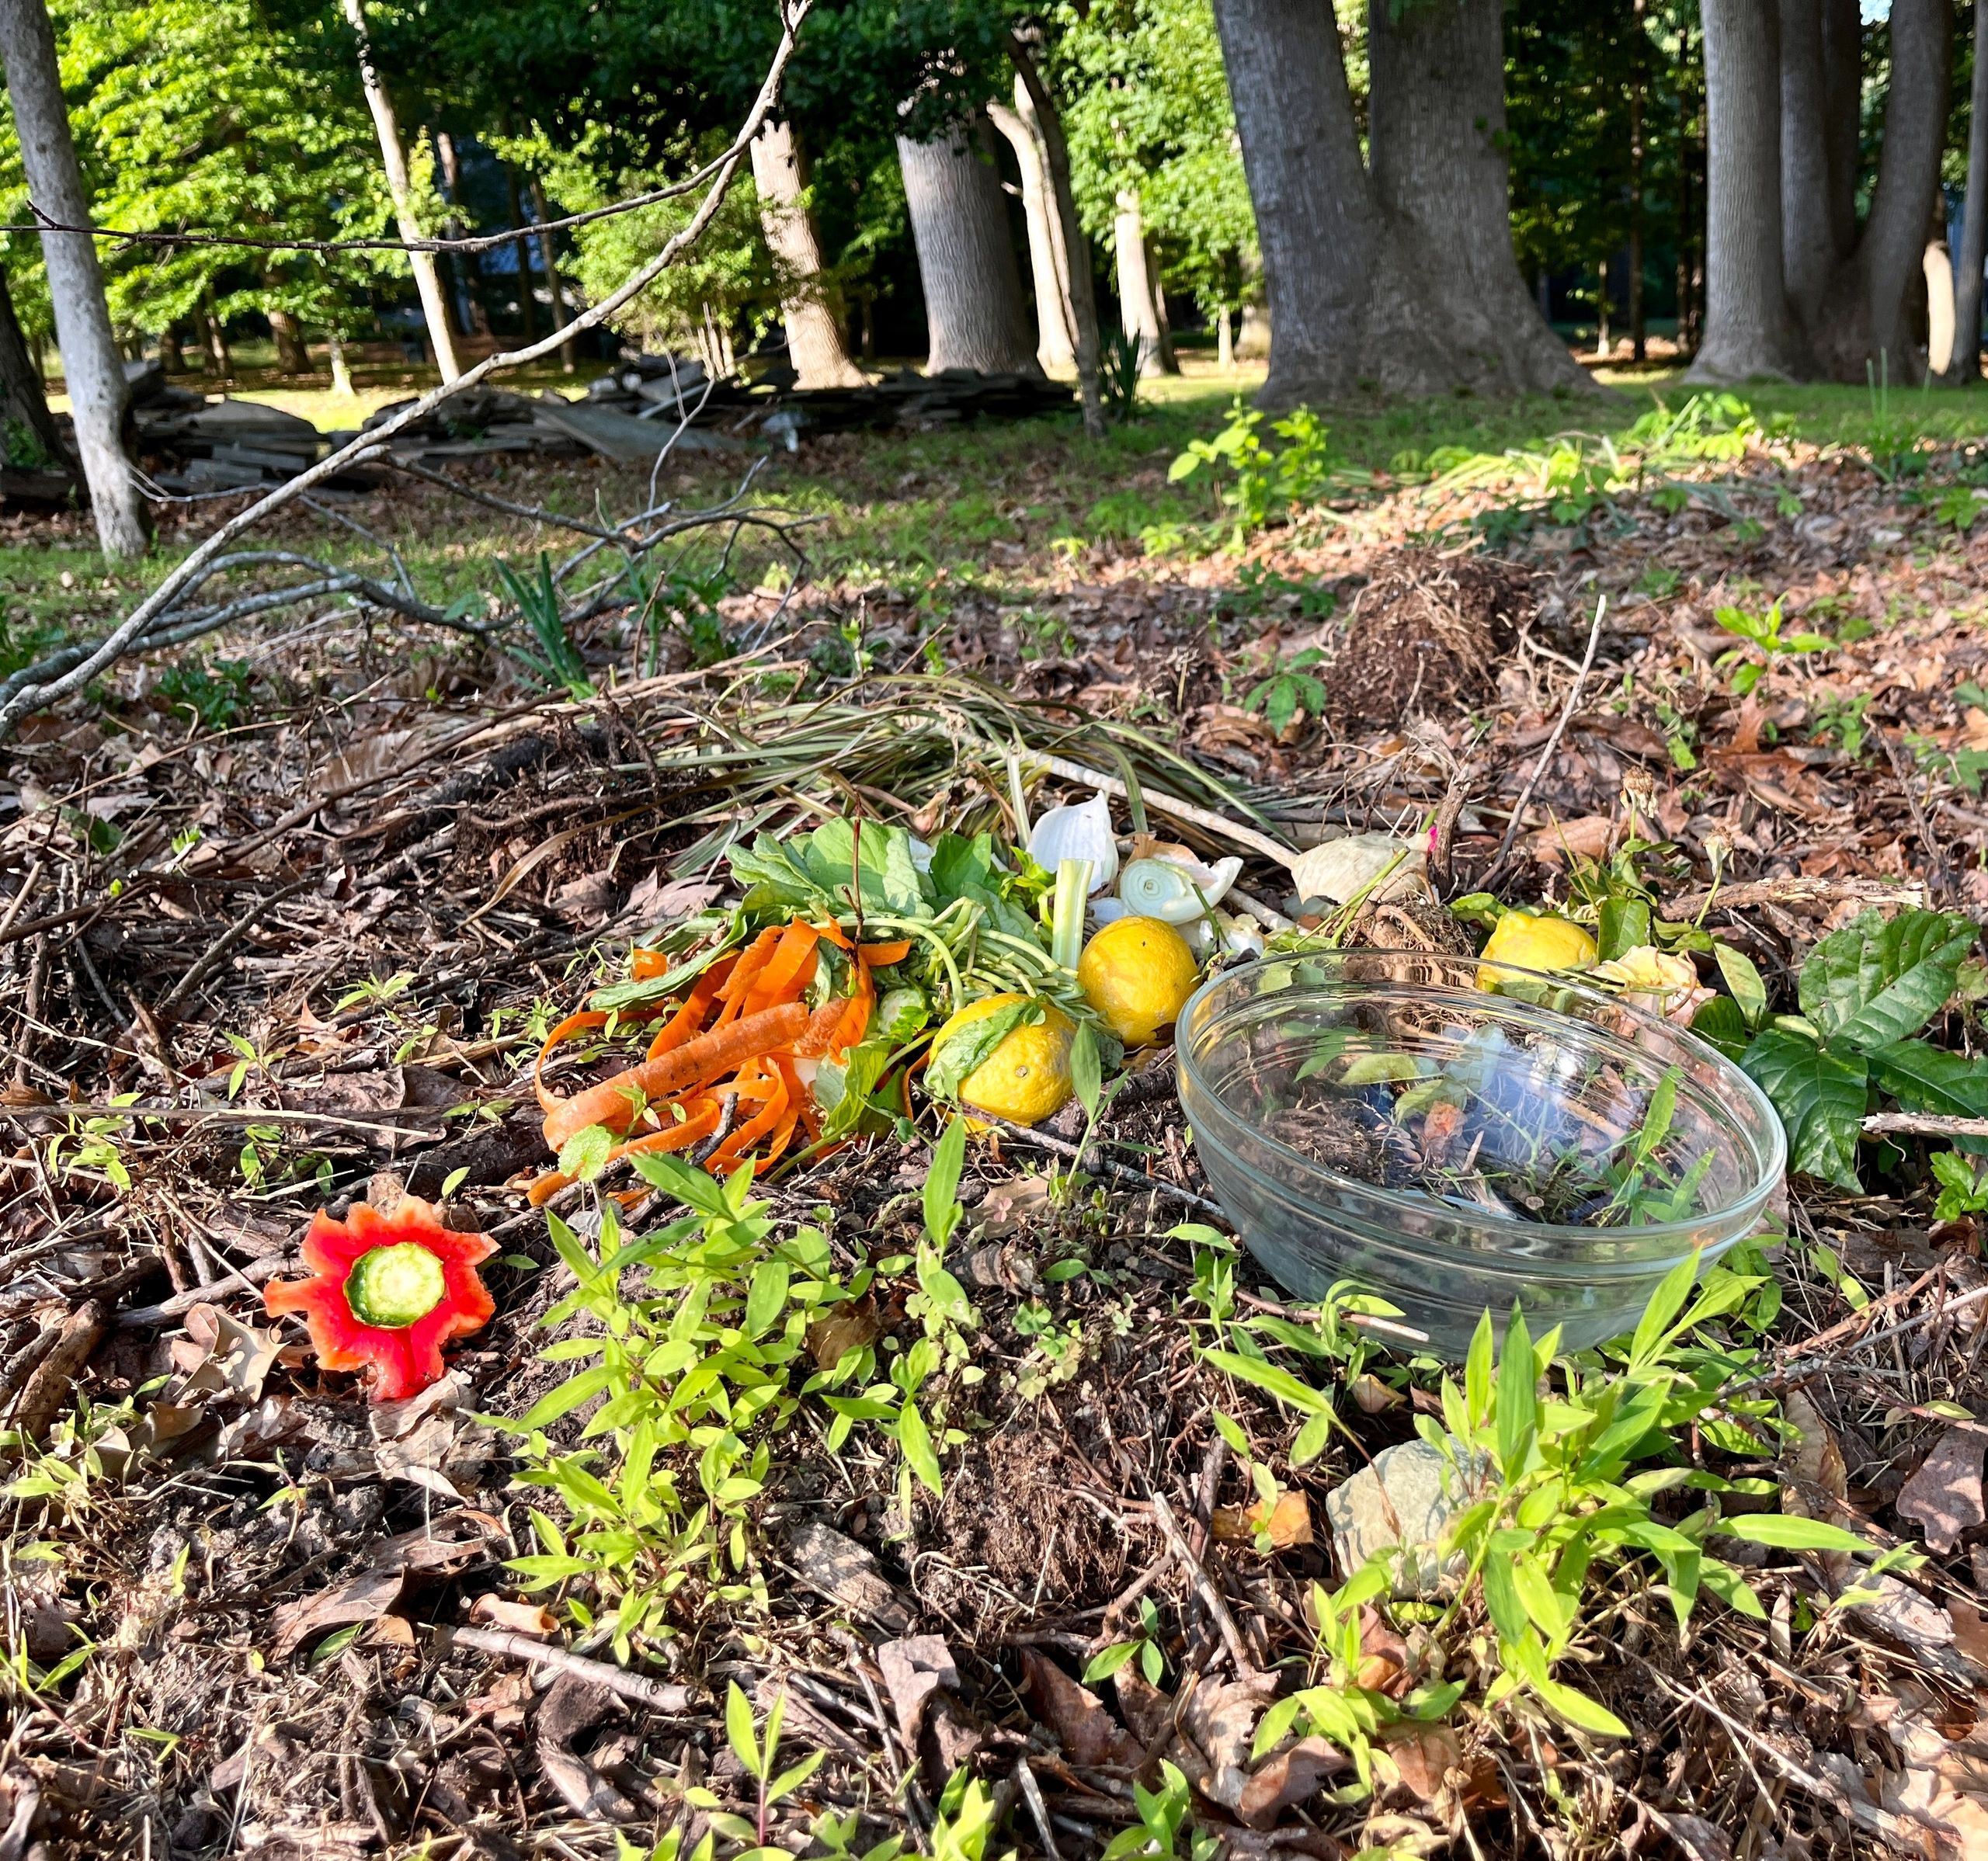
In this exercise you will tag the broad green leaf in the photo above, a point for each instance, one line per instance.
(1721, 1022)
(1579, 1710)
(1086, 1069)
(767, 1298)
(1270, 1377)
(915, 1438)
(739, 1731)
(563, 1398)
(1518, 1399)
(1625, 926)
(1749, 992)
(942, 1183)
(1923, 1078)
(1872, 982)
(1477, 1371)
(1731, 1588)
(1820, 1096)
(1103, 1664)
(1784, 1531)
(1664, 1304)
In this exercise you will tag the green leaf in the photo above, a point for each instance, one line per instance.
(1086, 1069)
(1518, 1397)
(1820, 1096)
(942, 1183)
(740, 1732)
(1784, 1531)
(584, 1155)
(1625, 926)
(956, 1059)
(767, 1297)
(1106, 1661)
(1579, 1710)
(1501, 1596)
(1721, 1022)
(1477, 1370)
(1274, 1380)
(915, 1441)
(1872, 982)
(1749, 992)
(1923, 1078)
(1664, 1304)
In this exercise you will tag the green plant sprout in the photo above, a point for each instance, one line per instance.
(1764, 632)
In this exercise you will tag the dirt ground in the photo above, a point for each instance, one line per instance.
(317, 938)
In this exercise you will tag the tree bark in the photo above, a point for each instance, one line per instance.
(1055, 348)
(341, 372)
(169, 358)
(974, 312)
(1072, 250)
(1450, 307)
(1139, 307)
(1638, 329)
(293, 356)
(1749, 328)
(1865, 321)
(1939, 273)
(549, 260)
(1810, 251)
(1966, 365)
(1603, 347)
(815, 344)
(1842, 34)
(393, 156)
(214, 338)
(23, 399)
(90, 362)
(465, 268)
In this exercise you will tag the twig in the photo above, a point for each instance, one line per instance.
(1552, 743)
(1205, 1587)
(663, 1695)
(243, 1279)
(210, 961)
(20, 898)
(1038, 1810)
(1924, 1124)
(1085, 1156)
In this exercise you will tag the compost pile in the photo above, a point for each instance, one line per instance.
(770, 1373)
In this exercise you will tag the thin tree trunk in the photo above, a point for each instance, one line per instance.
(1449, 305)
(465, 268)
(1225, 352)
(1865, 321)
(527, 303)
(91, 365)
(1966, 365)
(1939, 274)
(1638, 329)
(393, 156)
(214, 338)
(22, 395)
(293, 356)
(966, 257)
(1749, 328)
(1072, 250)
(549, 260)
(1601, 343)
(813, 319)
(1055, 348)
(1139, 306)
(341, 371)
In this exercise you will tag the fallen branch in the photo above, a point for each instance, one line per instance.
(170, 590)
(663, 1696)
(1923, 1124)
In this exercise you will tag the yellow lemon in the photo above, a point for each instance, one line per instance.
(1138, 974)
(1537, 940)
(1026, 1078)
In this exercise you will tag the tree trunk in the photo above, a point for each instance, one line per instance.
(1966, 365)
(90, 362)
(1601, 341)
(527, 303)
(214, 338)
(293, 356)
(966, 258)
(1224, 351)
(169, 358)
(1139, 306)
(1072, 250)
(427, 278)
(24, 399)
(341, 372)
(1055, 348)
(1809, 250)
(549, 260)
(1865, 321)
(465, 268)
(1450, 307)
(1639, 331)
(1841, 28)
(812, 316)
(1939, 275)
(1749, 328)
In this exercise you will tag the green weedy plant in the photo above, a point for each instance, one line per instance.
(1265, 483)
(1866, 990)
(1163, 1813)
(1762, 632)
(556, 660)
(1290, 687)
(755, 1751)
(1118, 374)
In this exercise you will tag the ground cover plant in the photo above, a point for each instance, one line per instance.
(865, 1455)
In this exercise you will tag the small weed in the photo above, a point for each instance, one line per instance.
(1963, 1186)
(1764, 632)
(216, 695)
(1259, 588)
(1118, 374)
(1290, 691)
(1842, 722)
(556, 659)
(1265, 483)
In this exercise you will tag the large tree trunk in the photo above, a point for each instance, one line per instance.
(1966, 365)
(22, 398)
(1316, 225)
(1748, 328)
(1842, 36)
(1072, 251)
(1865, 321)
(1141, 313)
(1810, 251)
(966, 257)
(1055, 347)
(91, 365)
(393, 156)
(815, 343)
(1450, 308)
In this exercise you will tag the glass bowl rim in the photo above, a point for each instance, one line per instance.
(1769, 1167)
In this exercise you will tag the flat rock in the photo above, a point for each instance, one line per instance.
(1406, 1497)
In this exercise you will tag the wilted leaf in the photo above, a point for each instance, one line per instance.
(1944, 1495)
(505, 1611)
(1089, 1734)
(845, 1328)
(1288, 1778)
(1424, 1754)
(1288, 1522)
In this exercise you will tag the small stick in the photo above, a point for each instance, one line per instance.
(1924, 1124)
(20, 897)
(210, 961)
(1211, 1597)
(1086, 1157)
(244, 1279)
(665, 1696)
(1038, 1810)
(1552, 743)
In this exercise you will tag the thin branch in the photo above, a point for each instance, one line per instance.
(170, 590)
(1552, 743)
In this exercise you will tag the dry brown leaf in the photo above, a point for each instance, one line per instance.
(1422, 1755)
(1089, 1735)
(915, 1667)
(506, 1612)
(1221, 1722)
(1944, 1496)
(1586, 835)
(1288, 1778)
(846, 1328)
(1372, 1397)
(1286, 1523)
(1970, 1632)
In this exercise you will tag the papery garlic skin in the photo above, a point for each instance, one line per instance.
(1080, 830)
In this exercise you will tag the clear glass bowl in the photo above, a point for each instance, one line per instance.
(1456, 1135)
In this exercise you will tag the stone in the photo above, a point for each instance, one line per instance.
(1407, 1496)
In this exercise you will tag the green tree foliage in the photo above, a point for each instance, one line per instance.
(1149, 109)
(197, 115)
